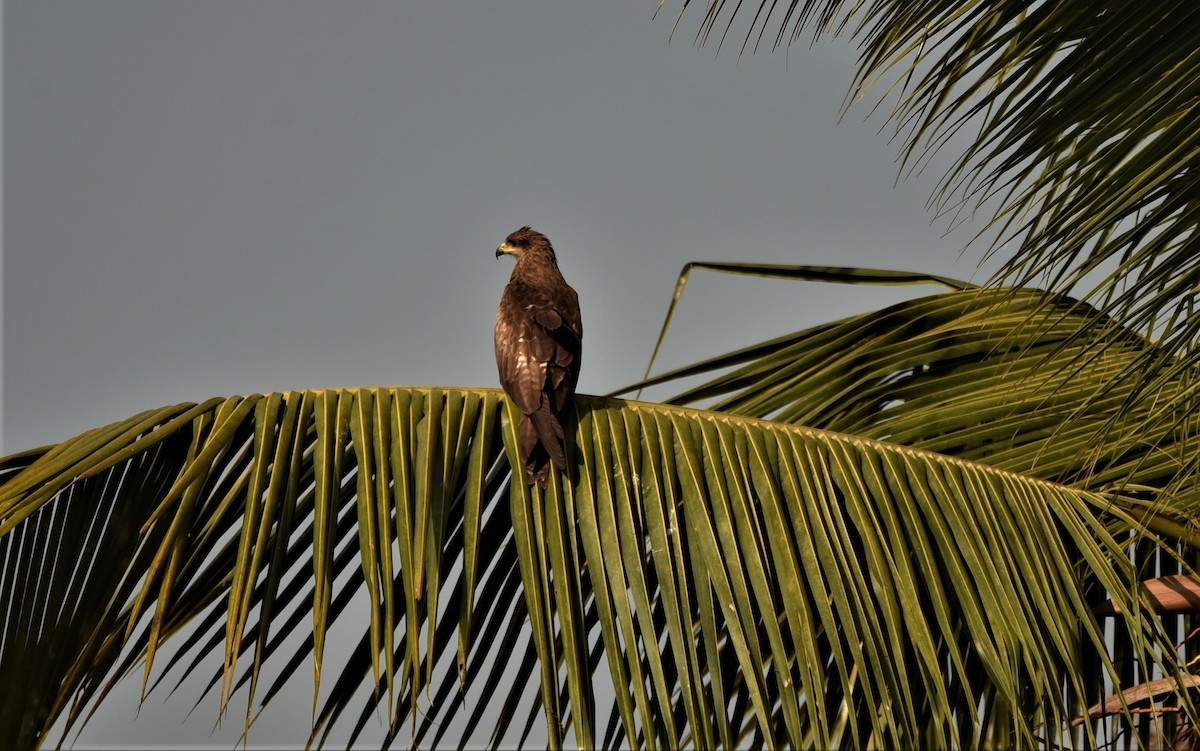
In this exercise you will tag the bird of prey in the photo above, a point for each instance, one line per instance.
(538, 335)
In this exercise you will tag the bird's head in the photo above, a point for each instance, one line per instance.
(523, 241)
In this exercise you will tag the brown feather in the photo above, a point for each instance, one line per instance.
(538, 348)
(538, 344)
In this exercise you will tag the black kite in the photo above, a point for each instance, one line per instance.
(538, 334)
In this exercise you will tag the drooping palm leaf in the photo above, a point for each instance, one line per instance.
(750, 582)
(1083, 145)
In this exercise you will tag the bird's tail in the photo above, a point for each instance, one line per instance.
(550, 434)
(542, 442)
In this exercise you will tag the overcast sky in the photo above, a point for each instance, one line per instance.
(209, 198)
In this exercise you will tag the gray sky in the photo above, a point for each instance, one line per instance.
(220, 198)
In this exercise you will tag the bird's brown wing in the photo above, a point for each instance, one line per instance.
(537, 355)
(537, 349)
(563, 325)
(522, 374)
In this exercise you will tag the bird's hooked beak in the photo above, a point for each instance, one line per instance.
(503, 249)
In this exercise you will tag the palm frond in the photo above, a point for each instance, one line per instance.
(1084, 147)
(742, 582)
(803, 273)
(1021, 379)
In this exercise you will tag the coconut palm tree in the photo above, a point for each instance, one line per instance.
(962, 520)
